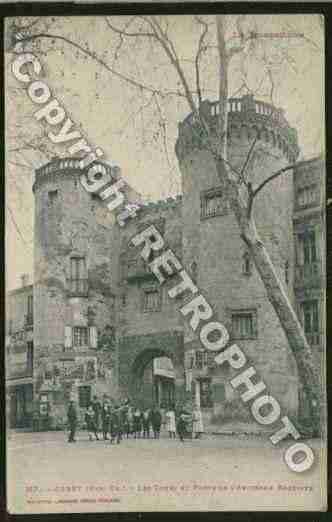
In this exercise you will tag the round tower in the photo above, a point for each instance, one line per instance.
(213, 249)
(73, 300)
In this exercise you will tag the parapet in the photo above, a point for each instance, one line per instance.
(58, 167)
(161, 205)
(247, 118)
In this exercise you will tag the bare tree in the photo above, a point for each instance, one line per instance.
(192, 86)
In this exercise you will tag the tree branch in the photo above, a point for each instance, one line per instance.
(253, 193)
(200, 50)
(170, 51)
(94, 56)
(123, 32)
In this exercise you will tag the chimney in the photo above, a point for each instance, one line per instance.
(25, 279)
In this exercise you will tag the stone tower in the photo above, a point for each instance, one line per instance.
(74, 332)
(215, 255)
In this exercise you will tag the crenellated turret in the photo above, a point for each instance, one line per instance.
(247, 118)
(213, 247)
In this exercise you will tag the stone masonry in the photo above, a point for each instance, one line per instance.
(100, 317)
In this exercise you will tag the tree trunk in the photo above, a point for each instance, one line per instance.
(276, 294)
(278, 298)
(289, 321)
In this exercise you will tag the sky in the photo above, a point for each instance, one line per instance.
(134, 128)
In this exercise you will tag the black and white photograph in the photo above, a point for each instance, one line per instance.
(165, 344)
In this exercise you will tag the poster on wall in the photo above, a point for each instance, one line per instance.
(165, 192)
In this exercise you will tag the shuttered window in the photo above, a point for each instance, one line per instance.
(78, 276)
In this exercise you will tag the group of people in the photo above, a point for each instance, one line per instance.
(112, 422)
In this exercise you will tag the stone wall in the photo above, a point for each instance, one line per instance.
(70, 222)
(214, 244)
(144, 334)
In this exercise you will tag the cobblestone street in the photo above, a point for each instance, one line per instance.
(216, 473)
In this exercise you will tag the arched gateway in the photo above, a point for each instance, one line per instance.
(151, 368)
(153, 378)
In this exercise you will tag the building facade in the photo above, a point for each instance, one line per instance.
(102, 324)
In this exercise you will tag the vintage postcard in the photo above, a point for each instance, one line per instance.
(165, 263)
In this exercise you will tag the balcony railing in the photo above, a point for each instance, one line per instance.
(78, 287)
(308, 274)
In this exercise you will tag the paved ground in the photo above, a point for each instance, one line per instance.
(46, 474)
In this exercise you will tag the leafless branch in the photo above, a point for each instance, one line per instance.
(94, 56)
(172, 55)
(17, 228)
(253, 192)
(199, 53)
(124, 32)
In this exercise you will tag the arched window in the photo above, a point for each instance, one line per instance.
(246, 264)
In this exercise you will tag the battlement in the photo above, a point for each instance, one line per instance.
(58, 167)
(247, 118)
(160, 205)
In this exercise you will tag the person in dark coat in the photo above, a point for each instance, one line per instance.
(125, 428)
(182, 424)
(105, 419)
(72, 421)
(116, 425)
(156, 422)
(146, 420)
(97, 411)
(128, 424)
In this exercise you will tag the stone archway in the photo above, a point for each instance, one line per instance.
(136, 353)
(150, 384)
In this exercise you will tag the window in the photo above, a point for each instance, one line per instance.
(308, 252)
(78, 276)
(201, 359)
(84, 396)
(246, 264)
(244, 325)
(151, 300)
(190, 359)
(310, 317)
(80, 336)
(205, 393)
(30, 310)
(52, 197)
(197, 359)
(213, 203)
(307, 196)
(30, 356)
(124, 300)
